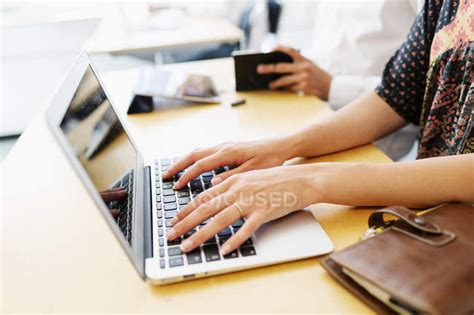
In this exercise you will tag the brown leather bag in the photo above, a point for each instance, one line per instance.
(424, 263)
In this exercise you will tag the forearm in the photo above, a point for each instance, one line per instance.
(418, 183)
(366, 119)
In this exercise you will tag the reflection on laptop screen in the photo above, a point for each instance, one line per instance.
(99, 141)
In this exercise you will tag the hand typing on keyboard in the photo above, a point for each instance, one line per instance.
(245, 156)
(258, 196)
(111, 197)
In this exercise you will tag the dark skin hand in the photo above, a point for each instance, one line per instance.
(116, 194)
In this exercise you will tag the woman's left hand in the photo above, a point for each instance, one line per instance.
(258, 196)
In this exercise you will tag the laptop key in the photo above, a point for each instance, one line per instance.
(184, 201)
(225, 232)
(189, 233)
(234, 254)
(212, 240)
(194, 257)
(161, 242)
(160, 214)
(196, 192)
(169, 199)
(165, 161)
(167, 185)
(196, 186)
(174, 251)
(207, 185)
(158, 206)
(238, 223)
(219, 170)
(222, 240)
(170, 214)
(162, 264)
(247, 242)
(160, 232)
(184, 193)
(174, 242)
(170, 206)
(168, 192)
(168, 223)
(247, 251)
(211, 252)
(176, 261)
(158, 198)
(160, 223)
(162, 252)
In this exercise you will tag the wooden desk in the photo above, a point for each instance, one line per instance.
(58, 255)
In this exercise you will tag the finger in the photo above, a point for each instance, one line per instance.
(225, 218)
(186, 161)
(245, 232)
(221, 177)
(203, 165)
(201, 199)
(293, 53)
(197, 216)
(113, 195)
(299, 87)
(287, 80)
(282, 67)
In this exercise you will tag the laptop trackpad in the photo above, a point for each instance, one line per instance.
(297, 234)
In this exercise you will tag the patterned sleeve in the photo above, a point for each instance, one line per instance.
(404, 78)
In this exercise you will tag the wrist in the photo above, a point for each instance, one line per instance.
(290, 146)
(314, 178)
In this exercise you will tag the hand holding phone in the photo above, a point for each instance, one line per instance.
(245, 65)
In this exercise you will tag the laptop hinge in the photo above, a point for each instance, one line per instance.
(147, 217)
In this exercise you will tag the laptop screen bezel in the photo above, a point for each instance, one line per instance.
(54, 116)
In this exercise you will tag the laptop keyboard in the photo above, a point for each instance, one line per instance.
(124, 220)
(168, 204)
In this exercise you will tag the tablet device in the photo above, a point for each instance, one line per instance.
(245, 66)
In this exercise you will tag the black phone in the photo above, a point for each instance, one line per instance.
(245, 66)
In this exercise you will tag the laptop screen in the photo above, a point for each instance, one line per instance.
(100, 143)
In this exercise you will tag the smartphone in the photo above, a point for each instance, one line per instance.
(245, 67)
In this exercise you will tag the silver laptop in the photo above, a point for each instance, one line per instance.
(95, 140)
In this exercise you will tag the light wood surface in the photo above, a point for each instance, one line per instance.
(115, 35)
(58, 255)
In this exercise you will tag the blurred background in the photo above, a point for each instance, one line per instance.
(40, 41)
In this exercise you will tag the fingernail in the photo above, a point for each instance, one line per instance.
(171, 234)
(164, 174)
(225, 249)
(186, 245)
(259, 69)
(216, 180)
(175, 186)
(174, 221)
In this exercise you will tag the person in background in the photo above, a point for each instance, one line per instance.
(352, 42)
(429, 82)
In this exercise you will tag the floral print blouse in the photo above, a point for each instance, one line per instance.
(429, 80)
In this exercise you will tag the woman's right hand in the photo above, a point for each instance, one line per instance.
(244, 156)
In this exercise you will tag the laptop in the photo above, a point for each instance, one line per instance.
(105, 157)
